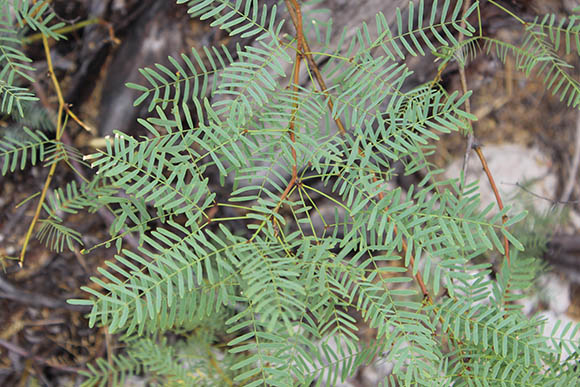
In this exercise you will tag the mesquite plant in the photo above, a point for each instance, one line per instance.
(262, 202)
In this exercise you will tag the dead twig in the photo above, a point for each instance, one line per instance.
(555, 201)
(64, 30)
(22, 352)
(11, 292)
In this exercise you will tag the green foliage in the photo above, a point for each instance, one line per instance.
(539, 54)
(15, 16)
(545, 41)
(14, 96)
(18, 153)
(24, 140)
(55, 235)
(263, 226)
(35, 116)
(242, 17)
(183, 83)
(158, 359)
(38, 16)
(101, 372)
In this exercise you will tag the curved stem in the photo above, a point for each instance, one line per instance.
(504, 218)
(59, 131)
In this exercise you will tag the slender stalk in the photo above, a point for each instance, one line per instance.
(64, 30)
(311, 62)
(292, 4)
(471, 136)
(479, 153)
(294, 10)
(463, 79)
(296, 81)
(40, 201)
(519, 19)
(59, 132)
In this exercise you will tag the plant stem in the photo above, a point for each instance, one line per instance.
(504, 218)
(59, 132)
(294, 10)
(311, 62)
(38, 36)
(508, 12)
(471, 135)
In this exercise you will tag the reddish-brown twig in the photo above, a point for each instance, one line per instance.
(295, 15)
(504, 218)
(471, 138)
(320, 80)
(295, 7)
(418, 276)
(296, 81)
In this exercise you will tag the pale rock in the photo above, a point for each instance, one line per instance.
(511, 164)
(384, 368)
(135, 381)
(370, 376)
(530, 304)
(376, 373)
(555, 292)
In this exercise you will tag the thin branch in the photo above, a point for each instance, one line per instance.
(22, 352)
(554, 201)
(311, 62)
(106, 213)
(40, 201)
(294, 10)
(109, 349)
(519, 19)
(295, 7)
(11, 292)
(218, 369)
(463, 80)
(64, 30)
(504, 218)
(471, 144)
(296, 81)
(62, 106)
(470, 136)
